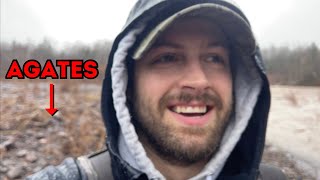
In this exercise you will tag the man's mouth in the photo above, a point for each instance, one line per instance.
(190, 110)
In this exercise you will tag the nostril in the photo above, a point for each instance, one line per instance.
(195, 80)
(199, 84)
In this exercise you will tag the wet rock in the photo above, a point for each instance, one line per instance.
(40, 135)
(15, 172)
(3, 150)
(35, 116)
(58, 116)
(43, 141)
(42, 162)
(36, 169)
(62, 134)
(7, 162)
(29, 132)
(31, 157)
(3, 169)
(8, 144)
(21, 153)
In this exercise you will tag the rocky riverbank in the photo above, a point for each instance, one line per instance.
(31, 139)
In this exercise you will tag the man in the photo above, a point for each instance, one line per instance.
(185, 96)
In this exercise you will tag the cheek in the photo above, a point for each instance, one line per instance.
(222, 83)
(150, 87)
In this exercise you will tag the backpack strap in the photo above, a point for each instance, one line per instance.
(97, 166)
(269, 172)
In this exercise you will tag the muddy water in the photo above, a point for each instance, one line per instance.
(294, 124)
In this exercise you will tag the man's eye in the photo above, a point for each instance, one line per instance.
(215, 59)
(167, 58)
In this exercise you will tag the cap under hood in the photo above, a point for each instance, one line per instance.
(242, 144)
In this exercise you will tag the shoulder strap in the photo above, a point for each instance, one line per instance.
(97, 166)
(269, 172)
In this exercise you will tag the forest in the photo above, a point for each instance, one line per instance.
(299, 65)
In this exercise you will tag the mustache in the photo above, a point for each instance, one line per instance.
(206, 97)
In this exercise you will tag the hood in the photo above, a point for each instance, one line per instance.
(242, 144)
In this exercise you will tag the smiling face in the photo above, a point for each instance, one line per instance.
(183, 92)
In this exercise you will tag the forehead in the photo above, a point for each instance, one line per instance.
(192, 29)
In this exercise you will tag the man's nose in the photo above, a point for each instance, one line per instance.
(195, 77)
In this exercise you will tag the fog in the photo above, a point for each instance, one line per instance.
(286, 22)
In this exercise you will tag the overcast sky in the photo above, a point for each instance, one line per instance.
(274, 22)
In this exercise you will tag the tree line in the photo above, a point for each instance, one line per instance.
(284, 65)
(293, 66)
(98, 51)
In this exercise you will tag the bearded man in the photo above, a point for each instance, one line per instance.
(185, 96)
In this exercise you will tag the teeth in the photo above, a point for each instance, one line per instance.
(190, 109)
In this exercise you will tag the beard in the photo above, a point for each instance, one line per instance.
(177, 144)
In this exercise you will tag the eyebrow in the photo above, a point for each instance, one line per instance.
(160, 44)
(218, 44)
(167, 44)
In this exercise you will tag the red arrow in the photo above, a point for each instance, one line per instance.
(52, 110)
